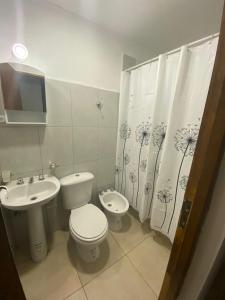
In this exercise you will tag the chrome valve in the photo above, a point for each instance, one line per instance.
(20, 181)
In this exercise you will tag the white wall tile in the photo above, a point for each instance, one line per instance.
(85, 111)
(56, 145)
(58, 103)
(105, 172)
(62, 170)
(109, 112)
(86, 143)
(107, 142)
(19, 149)
(26, 174)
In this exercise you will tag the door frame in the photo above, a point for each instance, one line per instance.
(204, 171)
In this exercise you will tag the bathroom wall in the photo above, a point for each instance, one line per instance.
(63, 45)
(78, 137)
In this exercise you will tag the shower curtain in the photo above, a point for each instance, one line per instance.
(161, 106)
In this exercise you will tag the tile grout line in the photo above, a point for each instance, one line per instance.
(124, 252)
(116, 261)
(85, 293)
(137, 245)
(72, 130)
(73, 293)
(40, 148)
(130, 250)
(139, 272)
(83, 285)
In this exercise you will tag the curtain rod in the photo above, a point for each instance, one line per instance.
(198, 42)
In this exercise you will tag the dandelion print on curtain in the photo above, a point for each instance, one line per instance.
(161, 106)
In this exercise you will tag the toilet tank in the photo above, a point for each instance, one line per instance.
(76, 189)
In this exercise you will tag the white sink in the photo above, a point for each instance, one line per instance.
(31, 197)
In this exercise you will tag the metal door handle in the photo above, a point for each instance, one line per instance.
(185, 211)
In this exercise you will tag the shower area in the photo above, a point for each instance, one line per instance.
(161, 107)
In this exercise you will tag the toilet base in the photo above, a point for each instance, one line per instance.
(88, 253)
(115, 221)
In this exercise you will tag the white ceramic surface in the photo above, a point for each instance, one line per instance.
(76, 189)
(88, 225)
(92, 230)
(31, 197)
(27, 195)
(115, 206)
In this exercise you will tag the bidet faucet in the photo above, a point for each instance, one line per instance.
(31, 179)
(20, 181)
(41, 175)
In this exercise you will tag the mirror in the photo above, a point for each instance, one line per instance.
(23, 93)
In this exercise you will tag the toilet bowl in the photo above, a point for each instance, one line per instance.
(88, 224)
(115, 206)
(88, 228)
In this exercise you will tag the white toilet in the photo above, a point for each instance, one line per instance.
(115, 206)
(88, 224)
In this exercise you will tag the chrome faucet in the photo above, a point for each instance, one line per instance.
(41, 176)
(31, 179)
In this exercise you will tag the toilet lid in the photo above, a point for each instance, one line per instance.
(88, 221)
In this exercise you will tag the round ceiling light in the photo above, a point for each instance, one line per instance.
(20, 51)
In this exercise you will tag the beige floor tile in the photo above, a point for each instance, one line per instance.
(120, 282)
(110, 252)
(57, 237)
(79, 295)
(151, 258)
(132, 233)
(53, 278)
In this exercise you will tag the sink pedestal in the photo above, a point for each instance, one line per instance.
(38, 243)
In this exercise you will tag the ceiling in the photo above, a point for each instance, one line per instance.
(158, 24)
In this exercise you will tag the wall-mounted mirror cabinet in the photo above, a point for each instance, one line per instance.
(23, 96)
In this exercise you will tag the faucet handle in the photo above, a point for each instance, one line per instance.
(41, 176)
(52, 165)
(31, 179)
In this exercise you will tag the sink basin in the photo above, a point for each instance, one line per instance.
(27, 195)
(31, 197)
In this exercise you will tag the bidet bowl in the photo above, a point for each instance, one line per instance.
(114, 202)
(115, 206)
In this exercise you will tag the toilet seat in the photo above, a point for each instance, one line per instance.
(88, 223)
